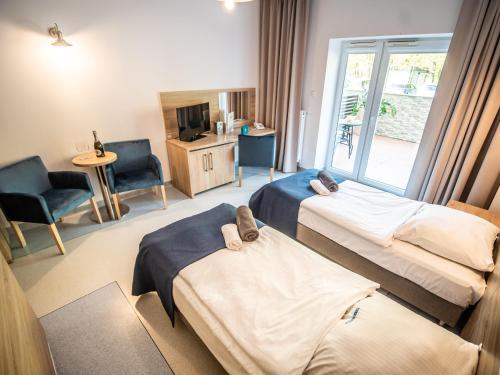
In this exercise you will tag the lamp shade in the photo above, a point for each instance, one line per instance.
(60, 42)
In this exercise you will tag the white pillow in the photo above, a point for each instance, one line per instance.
(452, 234)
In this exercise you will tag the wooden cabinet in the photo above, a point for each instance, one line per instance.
(201, 165)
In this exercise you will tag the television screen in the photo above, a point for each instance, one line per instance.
(192, 121)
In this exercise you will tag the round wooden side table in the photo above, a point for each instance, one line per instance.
(90, 160)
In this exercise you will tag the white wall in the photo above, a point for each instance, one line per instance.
(331, 19)
(124, 53)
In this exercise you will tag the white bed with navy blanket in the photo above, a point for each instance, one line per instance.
(275, 307)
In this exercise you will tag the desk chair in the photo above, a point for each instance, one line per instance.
(136, 168)
(256, 151)
(31, 194)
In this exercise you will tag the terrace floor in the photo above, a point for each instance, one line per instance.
(390, 161)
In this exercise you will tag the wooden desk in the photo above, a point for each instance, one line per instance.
(212, 139)
(205, 163)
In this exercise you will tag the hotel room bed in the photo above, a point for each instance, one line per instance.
(436, 285)
(361, 346)
(277, 307)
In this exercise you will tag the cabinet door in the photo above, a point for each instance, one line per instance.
(199, 171)
(221, 164)
(229, 163)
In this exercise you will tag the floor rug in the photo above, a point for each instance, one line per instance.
(101, 334)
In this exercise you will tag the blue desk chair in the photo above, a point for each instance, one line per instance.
(256, 151)
(31, 194)
(135, 168)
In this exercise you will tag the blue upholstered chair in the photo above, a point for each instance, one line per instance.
(29, 193)
(256, 151)
(136, 168)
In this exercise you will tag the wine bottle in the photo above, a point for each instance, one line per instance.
(98, 147)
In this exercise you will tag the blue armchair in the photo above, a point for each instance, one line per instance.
(256, 151)
(29, 193)
(136, 168)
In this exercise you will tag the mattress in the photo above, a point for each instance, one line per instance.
(362, 345)
(449, 280)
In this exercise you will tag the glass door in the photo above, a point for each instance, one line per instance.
(384, 128)
(350, 115)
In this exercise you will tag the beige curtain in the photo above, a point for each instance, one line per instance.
(459, 157)
(283, 29)
(237, 102)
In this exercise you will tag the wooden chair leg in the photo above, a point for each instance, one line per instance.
(117, 206)
(5, 233)
(271, 174)
(240, 175)
(163, 196)
(97, 213)
(55, 235)
(5, 249)
(18, 233)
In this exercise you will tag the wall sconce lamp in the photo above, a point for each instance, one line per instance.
(55, 33)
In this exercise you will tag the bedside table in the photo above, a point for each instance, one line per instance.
(481, 212)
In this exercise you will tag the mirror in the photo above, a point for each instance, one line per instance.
(234, 101)
(241, 101)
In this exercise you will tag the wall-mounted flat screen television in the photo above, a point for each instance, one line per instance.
(192, 121)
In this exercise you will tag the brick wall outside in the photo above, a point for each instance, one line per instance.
(408, 124)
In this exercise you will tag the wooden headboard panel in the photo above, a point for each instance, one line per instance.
(483, 325)
(176, 99)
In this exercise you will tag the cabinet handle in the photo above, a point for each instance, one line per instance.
(205, 168)
(211, 161)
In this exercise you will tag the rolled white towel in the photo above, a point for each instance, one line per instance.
(231, 236)
(319, 187)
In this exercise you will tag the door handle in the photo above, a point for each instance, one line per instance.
(205, 167)
(211, 161)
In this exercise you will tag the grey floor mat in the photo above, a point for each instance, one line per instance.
(101, 334)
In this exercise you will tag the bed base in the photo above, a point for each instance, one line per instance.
(405, 289)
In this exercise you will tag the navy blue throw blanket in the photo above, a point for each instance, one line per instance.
(165, 252)
(277, 203)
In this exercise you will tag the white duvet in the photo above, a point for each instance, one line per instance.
(365, 211)
(275, 298)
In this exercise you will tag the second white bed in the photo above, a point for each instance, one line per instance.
(449, 280)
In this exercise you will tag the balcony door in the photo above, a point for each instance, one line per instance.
(384, 94)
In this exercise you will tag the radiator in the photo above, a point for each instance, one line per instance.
(302, 125)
